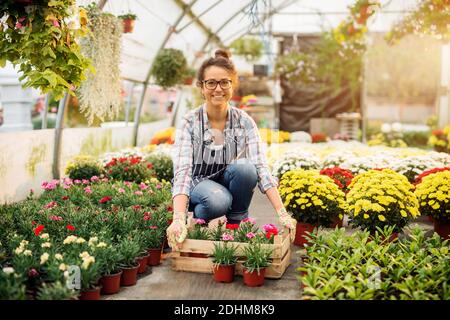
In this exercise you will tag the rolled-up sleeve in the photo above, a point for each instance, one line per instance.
(182, 159)
(257, 156)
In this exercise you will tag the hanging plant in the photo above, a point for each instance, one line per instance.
(432, 17)
(41, 40)
(169, 68)
(99, 94)
(250, 48)
(128, 22)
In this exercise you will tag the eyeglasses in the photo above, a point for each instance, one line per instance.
(212, 84)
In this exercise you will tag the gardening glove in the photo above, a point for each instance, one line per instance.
(287, 221)
(177, 231)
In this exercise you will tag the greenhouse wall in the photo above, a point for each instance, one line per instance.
(27, 157)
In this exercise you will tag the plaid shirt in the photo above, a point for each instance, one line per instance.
(249, 145)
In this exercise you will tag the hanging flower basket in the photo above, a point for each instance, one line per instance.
(128, 22)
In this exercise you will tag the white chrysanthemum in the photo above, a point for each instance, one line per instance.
(58, 256)
(46, 245)
(44, 257)
(8, 270)
(70, 239)
(44, 236)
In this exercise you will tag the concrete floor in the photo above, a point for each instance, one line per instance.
(162, 283)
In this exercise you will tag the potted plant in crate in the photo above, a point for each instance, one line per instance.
(433, 196)
(128, 22)
(224, 259)
(257, 259)
(129, 250)
(379, 198)
(198, 231)
(314, 200)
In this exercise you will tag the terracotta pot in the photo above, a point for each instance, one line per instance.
(129, 276)
(111, 283)
(337, 223)
(224, 273)
(442, 229)
(188, 81)
(155, 257)
(430, 219)
(92, 294)
(253, 279)
(128, 25)
(300, 233)
(143, 261)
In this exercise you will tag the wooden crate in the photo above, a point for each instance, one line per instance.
(281, 256)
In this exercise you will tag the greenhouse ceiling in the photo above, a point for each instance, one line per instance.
(200, 26)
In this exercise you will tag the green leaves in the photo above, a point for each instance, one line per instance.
(169, 68)
(340, 266)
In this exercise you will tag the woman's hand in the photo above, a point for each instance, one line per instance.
(287, 221)
(176, 233)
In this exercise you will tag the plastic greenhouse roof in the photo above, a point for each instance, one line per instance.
(227, 20)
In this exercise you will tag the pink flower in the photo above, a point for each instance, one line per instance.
(121, 190)
(250, 235)
(158, 186)
(138, 193)
(76, 181)
(105, 180)
(85, 181)
(127, 183)
(227, 237)
(143, 186)
(48, 185)
(55, 23)
(136, 207)
(95, 179)
(68, 181)
(270, 228)
(153, 227)
(199, 221)
(251, 220)
(51, 205)
(88, 190)
(55, 218)
(67, 186)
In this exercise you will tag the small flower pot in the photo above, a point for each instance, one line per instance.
(188, 81)
(300, 234)
(143, 261)
(224, 273)
(155, 257)
(442, 229)
(111, 283)
(92, 294)
(128, 25)
(254, 279)
(129, 276)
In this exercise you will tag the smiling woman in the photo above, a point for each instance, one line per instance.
(218, 156)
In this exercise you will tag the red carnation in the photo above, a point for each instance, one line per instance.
(105, 199)
(33, 222)
(232, 226)
(65, 198)
(38, 230)
(169, 208)
(70, 227)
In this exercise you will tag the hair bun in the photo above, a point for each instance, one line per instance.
(222, 54)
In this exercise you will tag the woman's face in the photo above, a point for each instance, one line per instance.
(221, 94)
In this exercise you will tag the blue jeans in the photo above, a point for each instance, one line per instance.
(229, 195)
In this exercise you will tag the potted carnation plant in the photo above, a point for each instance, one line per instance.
(314, 200)
(154, 238)
(198, 231)
(129, 249)
(433, 196)
(379, 198)
(109, 258)
(224, 259)
(257, 259)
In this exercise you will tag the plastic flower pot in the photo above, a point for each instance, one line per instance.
(442, 229)
(129, 276)
(128, 25)
(92, 294)
(155, 257)
(143, 261)
(253, 279)
(224, 273)
(300, 234)
(111, 283)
